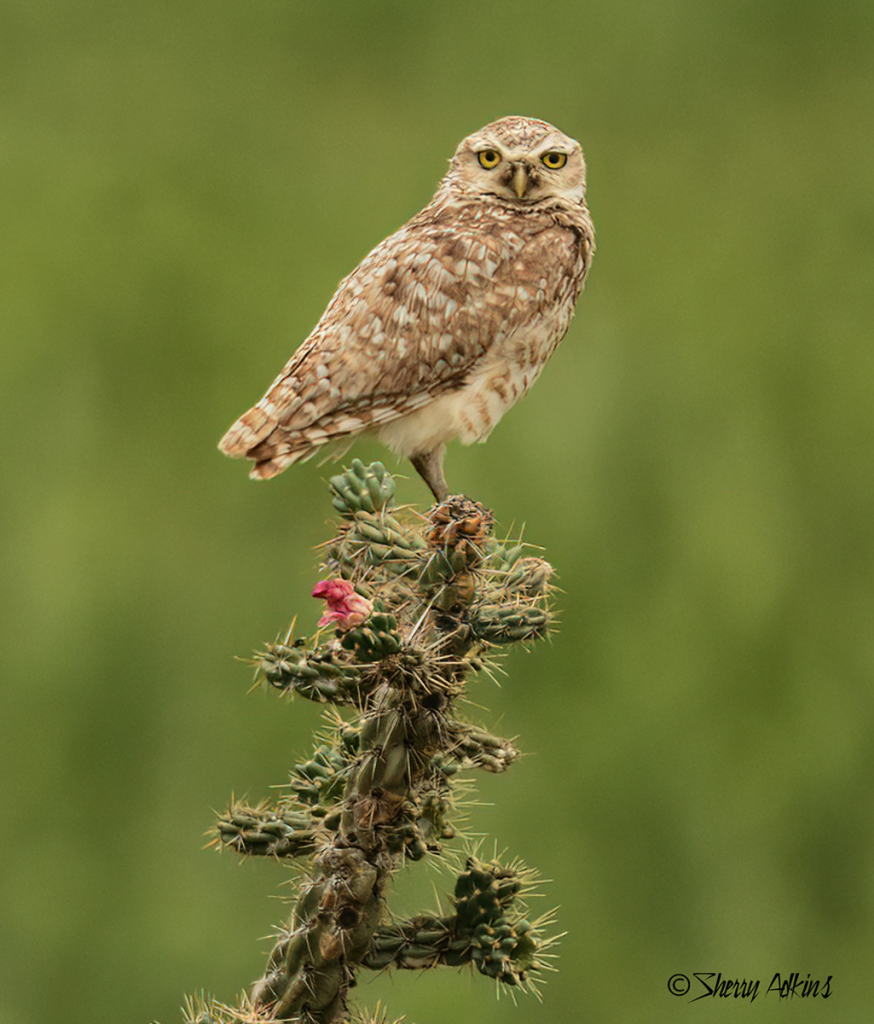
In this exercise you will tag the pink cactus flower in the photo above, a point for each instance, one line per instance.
(345, 608)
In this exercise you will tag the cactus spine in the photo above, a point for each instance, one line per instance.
(415, 603)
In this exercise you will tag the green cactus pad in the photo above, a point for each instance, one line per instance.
(530, 576)
(362, 489)
(501, 556)
(261, 832)
(507, 624)
(321, 674)
(474, 747)
(376, 639)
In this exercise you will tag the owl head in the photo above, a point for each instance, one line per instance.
(520, 160)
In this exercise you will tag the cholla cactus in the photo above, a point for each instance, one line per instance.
(413, 605)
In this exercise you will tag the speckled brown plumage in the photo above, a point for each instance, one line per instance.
(446, 323)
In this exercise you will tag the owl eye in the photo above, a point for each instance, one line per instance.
(489, 158)
(554, 160)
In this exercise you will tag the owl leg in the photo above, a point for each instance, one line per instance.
(429, 466)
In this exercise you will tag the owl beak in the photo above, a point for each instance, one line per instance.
(520, 180)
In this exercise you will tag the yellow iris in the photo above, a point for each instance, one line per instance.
(489, 158)
(554, 160)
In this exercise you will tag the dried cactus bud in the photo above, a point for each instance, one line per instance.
(460, 525)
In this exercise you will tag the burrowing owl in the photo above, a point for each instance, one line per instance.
(449, 321)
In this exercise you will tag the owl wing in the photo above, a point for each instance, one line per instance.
(407, 325)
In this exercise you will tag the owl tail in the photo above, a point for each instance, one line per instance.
(266, 468)
(248, 432)
(270, 446)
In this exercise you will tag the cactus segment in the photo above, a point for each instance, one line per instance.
(488, 929)
(362, 489)
(509, 624)
(261, 832)
(474, 747)
(376, 639)
(323, 673)
(530, 576)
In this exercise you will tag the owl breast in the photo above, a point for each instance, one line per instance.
(528, 282)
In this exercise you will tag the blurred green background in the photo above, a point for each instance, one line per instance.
(182, 187)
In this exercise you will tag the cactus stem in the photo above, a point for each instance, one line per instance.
(415, 604)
